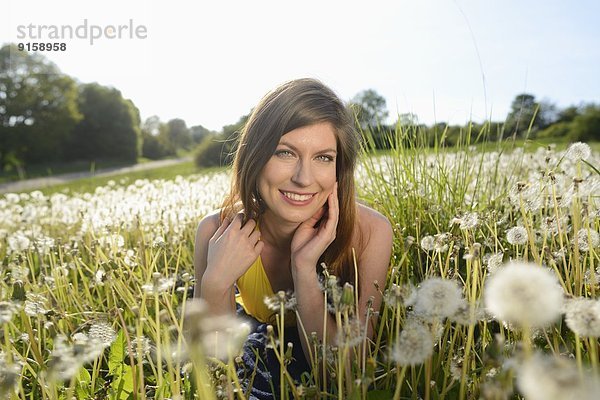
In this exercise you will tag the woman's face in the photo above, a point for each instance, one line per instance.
(297, 179)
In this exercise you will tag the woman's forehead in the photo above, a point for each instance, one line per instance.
(317, 136)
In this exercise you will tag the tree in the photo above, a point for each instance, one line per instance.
(586, 126)
(198, 133)
(155, 142)
(216, 150)
(110, 128)
(525, 111)
(369, 108)
(178, 134)
(38, 108)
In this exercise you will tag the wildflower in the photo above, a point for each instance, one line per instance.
(494, 262)
(397, 295)
(36, 305)
(583, 317)
(7, 310)
(437, 298)
(517, 235)
(140, 347)
(578, 151)
(414, 345)
(103, 333)
(113, 240)
(524, 294)
(219, 336)
(587, 239)
(130, 258)
(468, 313)
(528, 195)
(427, 243)
(543, 377)
(63, 363)
(159, 241)
(18, 242)
(351, 333)
(467, 221)
(9, 376)
(288, 300)
(440, 243)
(159, 284)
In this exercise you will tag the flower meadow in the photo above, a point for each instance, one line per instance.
(492, 291)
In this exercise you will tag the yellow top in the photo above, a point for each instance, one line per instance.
(253, 287)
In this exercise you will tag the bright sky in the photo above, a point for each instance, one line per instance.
(209, 62)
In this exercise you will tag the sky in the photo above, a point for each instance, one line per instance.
(210, 62)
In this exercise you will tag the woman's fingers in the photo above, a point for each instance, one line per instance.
(221, 229)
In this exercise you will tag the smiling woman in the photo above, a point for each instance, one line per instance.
(290, 210)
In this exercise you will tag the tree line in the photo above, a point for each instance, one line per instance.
(47, 116)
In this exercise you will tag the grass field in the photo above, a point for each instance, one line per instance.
(492, 291)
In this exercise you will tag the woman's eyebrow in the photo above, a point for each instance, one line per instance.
(291, 146)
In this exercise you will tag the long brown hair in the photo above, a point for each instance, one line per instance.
(295, 104)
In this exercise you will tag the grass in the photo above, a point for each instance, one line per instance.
(119, 262)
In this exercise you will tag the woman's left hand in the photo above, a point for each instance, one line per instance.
(309, 242)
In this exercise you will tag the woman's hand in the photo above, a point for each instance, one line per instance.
(232, 250)
(309, 242)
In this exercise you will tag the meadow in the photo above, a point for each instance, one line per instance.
(492, 291)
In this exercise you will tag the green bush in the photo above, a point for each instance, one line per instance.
(213, 151)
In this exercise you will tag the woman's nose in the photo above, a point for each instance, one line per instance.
(303, 174)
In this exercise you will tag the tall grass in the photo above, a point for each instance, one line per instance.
(95, 291)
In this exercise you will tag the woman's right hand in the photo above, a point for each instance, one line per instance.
(232, 250)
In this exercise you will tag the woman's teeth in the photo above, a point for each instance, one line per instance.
(297, 197)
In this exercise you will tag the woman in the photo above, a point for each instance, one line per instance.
(292, 207)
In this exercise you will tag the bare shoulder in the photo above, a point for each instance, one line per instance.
(373, 224)
(208, 226)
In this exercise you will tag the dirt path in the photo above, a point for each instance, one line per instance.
(38, 183)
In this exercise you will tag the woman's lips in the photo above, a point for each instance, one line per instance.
(297, 198)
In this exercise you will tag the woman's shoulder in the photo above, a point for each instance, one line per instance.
(370, 220)
(209, 224)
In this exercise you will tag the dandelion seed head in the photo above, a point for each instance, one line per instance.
(9, 376)
(274, 303)
(36, 305)
(437, 298)
(494, 262)
(578, 151)
(7, 310)
(427, 243)
(414, 345)
(103, 332)
(397, 295)
(588, 239)
(583, 317)
(543, 377)
(517, 235)
(524, 294)
(159, 284)
(351, 335)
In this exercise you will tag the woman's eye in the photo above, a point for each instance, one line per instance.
(325, 158)
(284, 153)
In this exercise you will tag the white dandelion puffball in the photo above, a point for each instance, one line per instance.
(524, 294)
(427, 243)
(583, 317)
(544, 377)
(414, 345)
(578, 151)
(517, 235)
(438, 298)
(587, 239)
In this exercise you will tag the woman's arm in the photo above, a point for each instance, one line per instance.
(222, 254)
(373, 262)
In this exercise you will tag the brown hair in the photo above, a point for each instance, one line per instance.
(293, 105)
